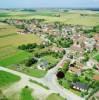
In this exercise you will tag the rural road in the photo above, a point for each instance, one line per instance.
(49, 80)
(39, 91)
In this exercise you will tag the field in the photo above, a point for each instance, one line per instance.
(26, 94)
(34, 72)
(9, 41)
(14, 59)
(50, 59)
(40, 84)
(6, 79)
(70, 17)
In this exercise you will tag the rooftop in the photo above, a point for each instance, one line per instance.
(96, 77)
(80, 85)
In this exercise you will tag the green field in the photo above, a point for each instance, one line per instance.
(71, 17)
(9, 41)
(50, 59)
(34, 72)
(14, 59)
(7, 79)
(26, 94)
(54, 97)
(40, 84)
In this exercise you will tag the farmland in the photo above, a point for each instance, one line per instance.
(49, 48)
(9, 40)
(70, 17)
(7, 78)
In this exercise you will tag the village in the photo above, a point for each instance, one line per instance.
(79, 71)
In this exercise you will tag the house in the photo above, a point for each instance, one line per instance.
(90, 44)
(96, 37)
(91, 63)
(56, 49)
(76, 50)
(42, 65)
(75, 70)
(79, 86)
(78, 38)
(96, 77)
(21, 32)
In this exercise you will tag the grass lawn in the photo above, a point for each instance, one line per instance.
(54, 96)
(40, 84)
(14, 59)
(7, 78)
(50, 59)
(34, 72)
(26, 94)
(76, 92)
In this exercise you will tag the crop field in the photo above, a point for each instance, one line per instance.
(7, 78)
(14, 58)
(6, 30)
(91, 19)
(9, 41)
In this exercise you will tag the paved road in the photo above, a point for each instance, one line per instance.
(39, 91)
(49, 80)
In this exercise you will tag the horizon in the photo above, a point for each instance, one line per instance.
(73, 8)
(49, 4)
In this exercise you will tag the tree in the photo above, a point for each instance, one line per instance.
(60, 75)
(65, 43)
(66, 66)
(30, 62)
(28, 47)
(86, 58)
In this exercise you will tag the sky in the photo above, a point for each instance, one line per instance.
(49, 3)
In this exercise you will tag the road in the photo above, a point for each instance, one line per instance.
(39, 91)
(49, 80)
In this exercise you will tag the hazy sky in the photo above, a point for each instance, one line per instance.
(48, 3)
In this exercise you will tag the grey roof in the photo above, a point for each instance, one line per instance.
(80, 85)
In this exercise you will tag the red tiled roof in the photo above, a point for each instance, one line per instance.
(76, 48)
(96, 37)
(74, 69)
(96, 77)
